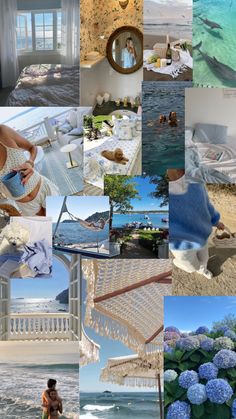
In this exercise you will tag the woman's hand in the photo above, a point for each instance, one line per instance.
(220, 225)
(27, 170)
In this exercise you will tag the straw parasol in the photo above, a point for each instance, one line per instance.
(133, 371)
(88, 350)
(125, 301)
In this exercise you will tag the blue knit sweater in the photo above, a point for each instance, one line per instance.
(191, 218)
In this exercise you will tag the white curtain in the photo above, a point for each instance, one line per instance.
(70, 32)
(8, 50)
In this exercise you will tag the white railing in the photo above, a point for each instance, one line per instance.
(39, 326)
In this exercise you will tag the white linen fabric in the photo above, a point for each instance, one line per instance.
(172, 70)
(8, 51)
(46, 85)
(200, 168)
(70, 32)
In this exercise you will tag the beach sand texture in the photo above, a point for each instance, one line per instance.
(222, 262)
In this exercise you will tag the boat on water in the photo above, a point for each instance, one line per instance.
(138, 224)
(146, 217)
(164, 220)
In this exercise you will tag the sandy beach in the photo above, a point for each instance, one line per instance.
(222, 262)
(39, 352)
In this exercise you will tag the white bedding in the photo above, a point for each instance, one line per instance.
(200, 168)
(102, 166)
(226, 164)
(46, 85)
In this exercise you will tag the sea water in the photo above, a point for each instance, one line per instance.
(119, 405)
(163, 146)
(220, 43)
(120, 220)
(178, 31)
(74, 233)
(21, 388)
(36, 305)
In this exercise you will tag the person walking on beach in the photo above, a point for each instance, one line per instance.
(51, 404)
(192, 217)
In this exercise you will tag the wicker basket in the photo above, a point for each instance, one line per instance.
(225, 239)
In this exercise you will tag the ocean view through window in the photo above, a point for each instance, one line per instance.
(38, 31)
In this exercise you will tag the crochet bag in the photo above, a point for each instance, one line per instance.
(225, 239)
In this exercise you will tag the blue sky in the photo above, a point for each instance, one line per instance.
(146, 202)
(80, 206)
(188, 313)
(89, 375)
(39, 287)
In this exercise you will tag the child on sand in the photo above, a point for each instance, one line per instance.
(192, 217)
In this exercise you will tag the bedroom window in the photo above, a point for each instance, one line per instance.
(39, 31)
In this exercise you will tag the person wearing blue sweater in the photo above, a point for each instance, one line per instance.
(192, 217)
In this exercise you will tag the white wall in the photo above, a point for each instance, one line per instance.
(103, 78)
(209, 106)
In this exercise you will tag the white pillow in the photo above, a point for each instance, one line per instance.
(72, 118)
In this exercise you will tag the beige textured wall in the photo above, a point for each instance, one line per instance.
(102, 17)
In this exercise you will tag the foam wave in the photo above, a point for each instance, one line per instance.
(89, 416)
(97, 407)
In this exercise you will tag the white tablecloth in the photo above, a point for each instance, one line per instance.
(172, 70)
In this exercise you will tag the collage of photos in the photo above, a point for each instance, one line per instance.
(117, 209)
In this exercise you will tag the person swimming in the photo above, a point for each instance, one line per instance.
(162, 119)
(172, 121)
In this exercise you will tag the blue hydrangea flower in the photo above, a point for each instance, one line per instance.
(200, 338)
(208, 371)
(197, 394)
(222, 329)
(218, 391)
(179, 410)
(172, 329)
(188, 378)
(225, 359)
(230, 334)
(207, 344)
(234, 409)
(170, 375)
(188, 344)
(201, 330)
(223, 343)
(167, 348)
(171, 335)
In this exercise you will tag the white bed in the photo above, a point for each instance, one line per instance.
(46, 85)
(198, 165)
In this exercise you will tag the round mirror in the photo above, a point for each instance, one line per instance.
(125, 49)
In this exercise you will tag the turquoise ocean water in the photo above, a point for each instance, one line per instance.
(220, 43)
(119, 406)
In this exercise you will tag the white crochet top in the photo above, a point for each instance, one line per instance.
(15, 158)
